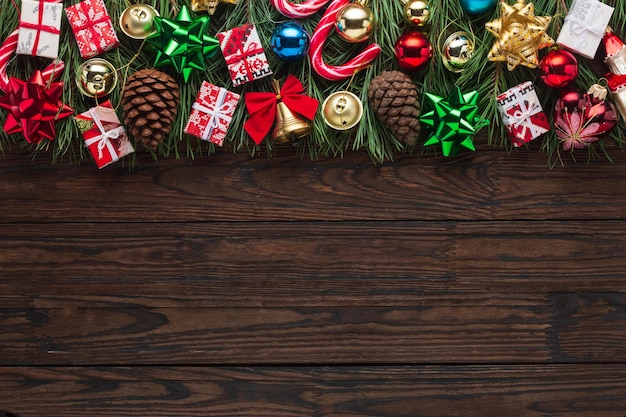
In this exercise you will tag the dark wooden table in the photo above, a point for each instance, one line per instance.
(481, 286)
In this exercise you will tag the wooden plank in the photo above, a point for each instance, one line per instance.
(411, 391)
(283, 264)
(566, 327)
(486, 185)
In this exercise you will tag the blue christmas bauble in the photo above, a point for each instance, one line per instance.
(477, 7)
(290, 41)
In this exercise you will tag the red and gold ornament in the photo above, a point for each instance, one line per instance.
(413, 51)
(559, 68)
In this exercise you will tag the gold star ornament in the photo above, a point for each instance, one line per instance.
(209, 6)
(519, 35)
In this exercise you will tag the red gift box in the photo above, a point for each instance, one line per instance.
(522, 113)
(104, 134)
(211, 113)
(92, 27)
(244, 54)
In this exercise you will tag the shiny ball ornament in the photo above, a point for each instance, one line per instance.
(559, 68)
(136, 21)
(354, 22)
(477, 8)
(417, 12)
(457, 51)
(290, 41)
(342, 110)
(413, 51)
(96, 77)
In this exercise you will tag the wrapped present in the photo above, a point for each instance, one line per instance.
(39, 28)
(211, 113)
(522, 113)
(244, 54)
(584, 27)
(92, 27)
(104, 134)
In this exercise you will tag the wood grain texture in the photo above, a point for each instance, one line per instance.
(486, 185)
(410, 391)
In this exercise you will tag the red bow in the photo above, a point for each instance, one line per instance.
(262, 107)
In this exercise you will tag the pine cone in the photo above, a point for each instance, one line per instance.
(150, 102)
(393, 95)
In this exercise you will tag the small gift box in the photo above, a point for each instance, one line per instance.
(211, 113)
(39, 28)
(522, 113)
(104, 135)
(244, 54)
(92, 27)
(584, 27)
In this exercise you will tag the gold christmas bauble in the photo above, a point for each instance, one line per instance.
(136, 21)
(457, 51)
(96, 77)
(417, 12)
(354, 22)
(342, 110)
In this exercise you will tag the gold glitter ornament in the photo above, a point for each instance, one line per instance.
(209, 6)
(519, 35)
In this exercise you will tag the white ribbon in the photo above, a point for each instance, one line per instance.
(521, 115)
(579, 27)
(104, 139)
(217, 113)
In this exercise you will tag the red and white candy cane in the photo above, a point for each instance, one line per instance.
(299, 10)
(7, 50)
(333, 72)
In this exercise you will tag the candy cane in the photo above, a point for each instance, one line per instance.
(325, 26)
(300, 10)
(7, 50)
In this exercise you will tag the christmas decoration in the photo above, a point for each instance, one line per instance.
(584, 27)
(413, 51)
(209, 5)
(559, 68)
(92, 27)
(182, 42)
(34, 106)
(211, 113)
(477, 7)
(522, 113)
(581, 119)
(39, 28)
(290, 41)
(417, 12)
(519, 35)
(262, 108)
(104, 134)
(150, 103)
(393, 95)
(354, 22)
(453, 121)
(616, 61)
(298, 10)
(244, 54)
(333, 72)
(458, 49)
(96, 77)
(342, 110)
(137, 21)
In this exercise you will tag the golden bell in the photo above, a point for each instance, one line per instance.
(289, 126)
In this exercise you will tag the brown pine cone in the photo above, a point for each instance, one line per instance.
(393, 95)
(150, 103)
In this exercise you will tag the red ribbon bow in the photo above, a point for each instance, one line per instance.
(262, 107)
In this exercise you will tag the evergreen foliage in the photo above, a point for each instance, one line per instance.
(488, 78)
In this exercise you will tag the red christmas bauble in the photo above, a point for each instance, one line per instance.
(581, 119)
(559, 68)
(413, 50)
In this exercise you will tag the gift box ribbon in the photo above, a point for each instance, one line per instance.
(522, 116)
(104, 139)
(242, 55)
(218, 114)
(580, 27)
(39, 27)
(90, 25)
